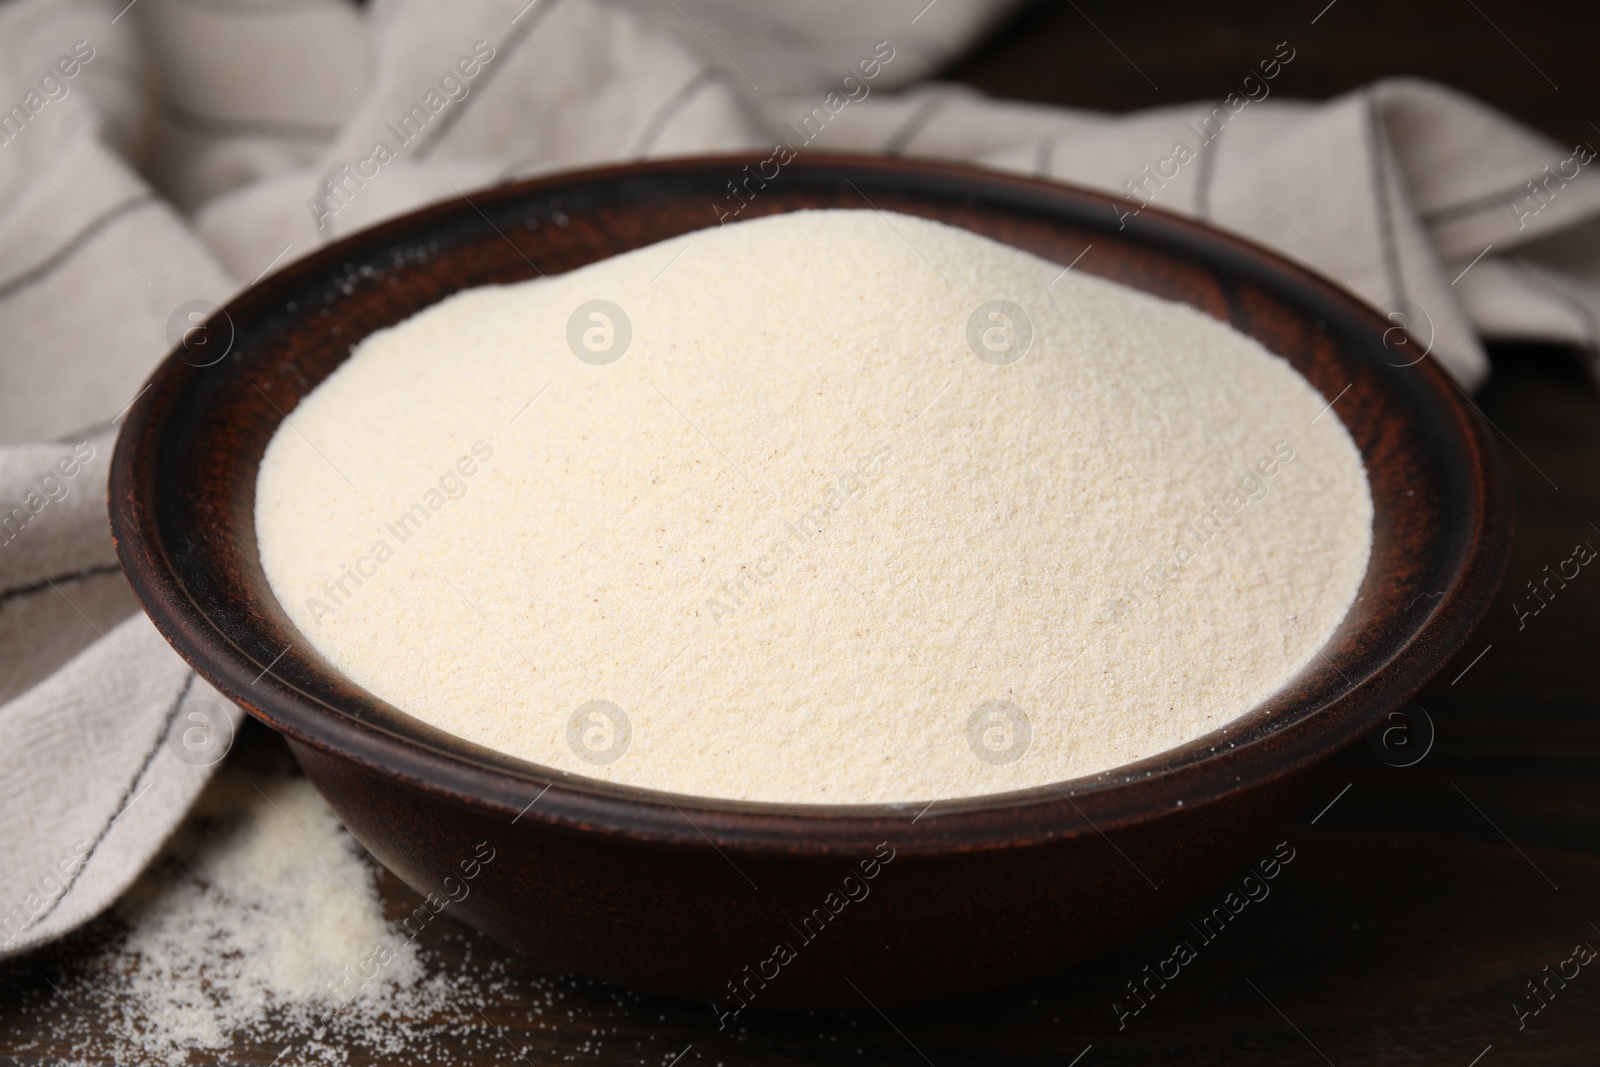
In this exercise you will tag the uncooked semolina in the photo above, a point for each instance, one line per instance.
(827, 507)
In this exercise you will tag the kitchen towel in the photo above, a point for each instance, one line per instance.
(158, 155)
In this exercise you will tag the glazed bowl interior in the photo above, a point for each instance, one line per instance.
(184, 478)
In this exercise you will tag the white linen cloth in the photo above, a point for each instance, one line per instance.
(167, 151)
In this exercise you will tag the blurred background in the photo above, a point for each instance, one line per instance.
(1527, 59)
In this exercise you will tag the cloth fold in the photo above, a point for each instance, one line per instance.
(156, 157)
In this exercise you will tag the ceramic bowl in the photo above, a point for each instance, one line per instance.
(767, 905)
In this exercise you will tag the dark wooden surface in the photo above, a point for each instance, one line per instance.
(1414, 912)
(1419, 904)
(1532, 59)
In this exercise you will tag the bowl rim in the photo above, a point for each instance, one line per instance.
(1190, 775)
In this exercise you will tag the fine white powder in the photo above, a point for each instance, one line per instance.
(259, 927)
(775, 512)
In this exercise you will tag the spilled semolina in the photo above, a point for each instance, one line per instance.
(826, 507)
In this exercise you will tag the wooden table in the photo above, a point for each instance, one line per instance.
(1421, 900)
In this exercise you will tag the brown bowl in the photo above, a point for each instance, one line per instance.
(693, 897)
